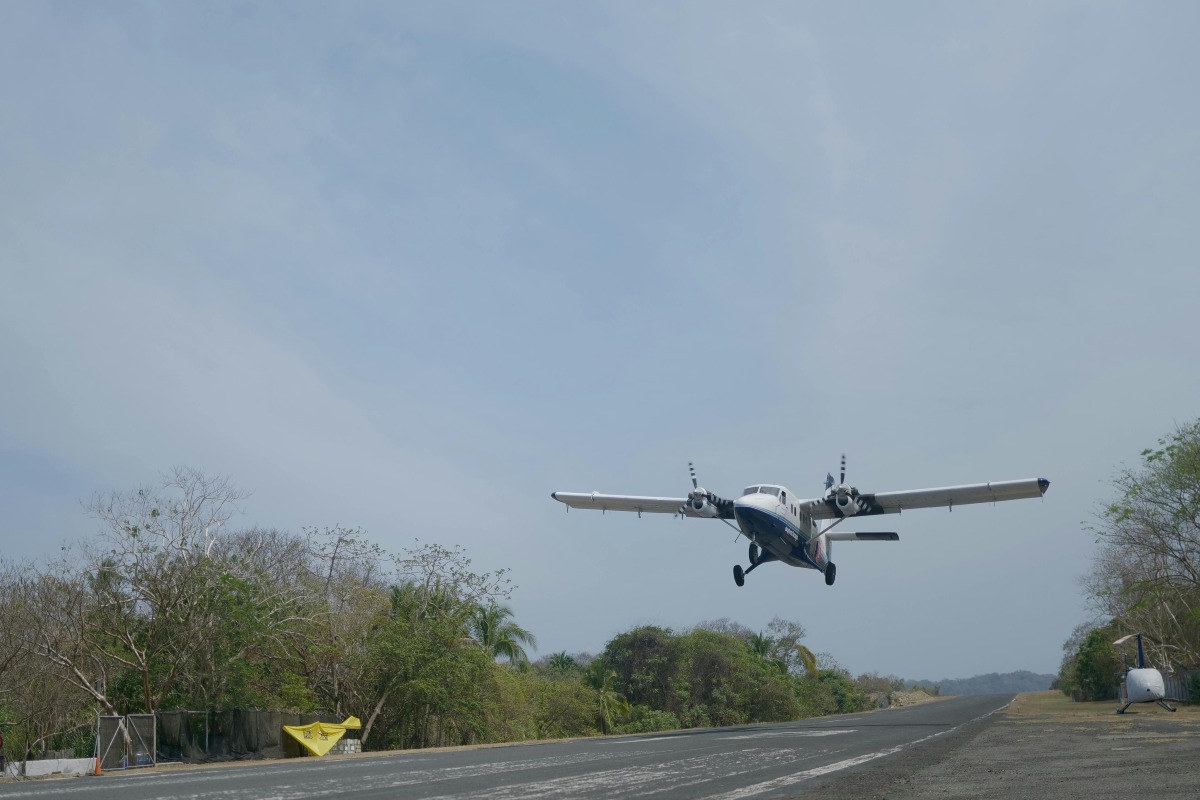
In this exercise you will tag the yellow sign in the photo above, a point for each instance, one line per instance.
(320, 737)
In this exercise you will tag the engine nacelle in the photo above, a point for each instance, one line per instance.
(847, 503)
(699, 505)
(1144, 685)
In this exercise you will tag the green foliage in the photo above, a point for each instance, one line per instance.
(1147, 571)
(611, 705)
(831, 692)
(715, 674)
(646, 659)
(499, 636)
(646, 720)
(561, 663)
(561, 708)
(1098, 666)
(176, 611)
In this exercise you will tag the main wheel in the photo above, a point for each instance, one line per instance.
(830, 574)
(753, 554)
(739, 575)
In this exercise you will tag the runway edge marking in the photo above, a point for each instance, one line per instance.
(816, 772)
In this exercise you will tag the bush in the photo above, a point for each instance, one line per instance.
(646, 720)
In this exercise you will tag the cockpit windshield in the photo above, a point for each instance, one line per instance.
(761, 490)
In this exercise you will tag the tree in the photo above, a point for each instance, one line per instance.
(153, 578)
(560, 662)
(646, 660)
(786, 647)
(499, 636)
(1098, 666)
(612, 707)
(428, 672)
(1147, 574)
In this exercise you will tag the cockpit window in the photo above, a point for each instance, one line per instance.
(770, 490)
(750, 490)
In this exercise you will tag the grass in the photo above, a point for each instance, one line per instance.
(1040, 706)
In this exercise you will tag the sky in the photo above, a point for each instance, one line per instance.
(411, 267)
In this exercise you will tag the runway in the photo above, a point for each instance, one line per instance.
(759, 761)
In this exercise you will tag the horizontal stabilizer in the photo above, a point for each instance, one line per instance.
(865, 536)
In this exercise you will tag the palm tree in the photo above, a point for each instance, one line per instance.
(613, 706)
(561, 662)
(807, 659)
(499, 636)
(765, 648)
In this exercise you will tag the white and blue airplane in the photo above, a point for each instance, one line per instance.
(797, 531)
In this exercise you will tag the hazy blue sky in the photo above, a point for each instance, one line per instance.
(413, 266)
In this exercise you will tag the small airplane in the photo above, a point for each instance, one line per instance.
(784, 527)
(1142, 684)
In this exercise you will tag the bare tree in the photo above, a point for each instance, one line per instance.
(152, 574)
(1147, 572)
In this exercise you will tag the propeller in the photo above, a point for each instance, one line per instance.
(842, 498)
(694, 493)
(699, 497)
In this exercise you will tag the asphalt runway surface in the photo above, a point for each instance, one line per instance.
(759, 761)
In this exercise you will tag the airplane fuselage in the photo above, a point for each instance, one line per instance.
(775, 519)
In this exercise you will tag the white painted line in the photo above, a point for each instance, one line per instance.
(776, 734)
(815, 772)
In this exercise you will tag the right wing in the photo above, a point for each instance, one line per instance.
(625, 502)
(949, 496)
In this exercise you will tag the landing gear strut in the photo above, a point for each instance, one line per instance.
(756, 560)
(830, 573)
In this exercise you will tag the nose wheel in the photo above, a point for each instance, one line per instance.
(739, 574)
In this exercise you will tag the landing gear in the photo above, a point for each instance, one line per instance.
(830, 574)
(739, 575)
(753, 554)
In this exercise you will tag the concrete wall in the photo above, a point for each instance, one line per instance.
(51, 766)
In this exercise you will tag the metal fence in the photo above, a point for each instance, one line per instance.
(127, 742)
(143, 740)
(1179, 685)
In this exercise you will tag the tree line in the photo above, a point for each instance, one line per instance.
(1145, 576)
(168, 607)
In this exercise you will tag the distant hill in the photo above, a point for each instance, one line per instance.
(993, 683)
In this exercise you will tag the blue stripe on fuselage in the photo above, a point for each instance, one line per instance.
(774, 525)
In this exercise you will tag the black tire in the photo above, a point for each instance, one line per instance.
(739, 575)
(753, 554)
(830, 574)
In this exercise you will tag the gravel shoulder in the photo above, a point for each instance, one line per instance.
(1043, 746)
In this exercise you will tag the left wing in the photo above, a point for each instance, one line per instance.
(625, 502)
(838, 503)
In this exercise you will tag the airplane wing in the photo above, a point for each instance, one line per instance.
(948, 496)
(624, 502)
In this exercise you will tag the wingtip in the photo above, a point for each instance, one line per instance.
(1043, 484)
